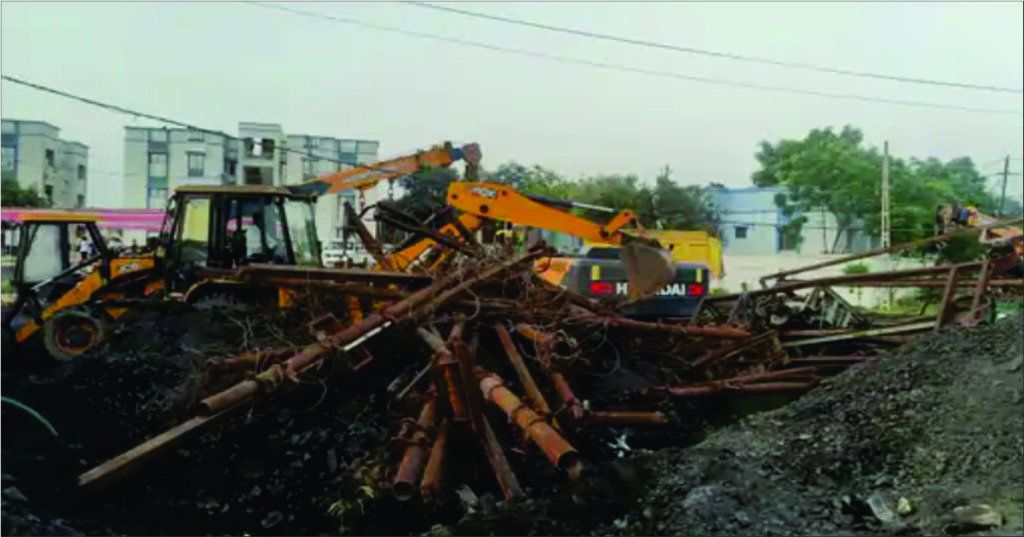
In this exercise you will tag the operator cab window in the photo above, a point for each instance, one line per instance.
(256, 231)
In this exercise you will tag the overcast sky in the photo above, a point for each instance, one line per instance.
(217, 63)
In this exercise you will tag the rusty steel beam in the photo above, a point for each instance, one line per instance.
(107, 473)
(699, 331)
(948, 296)
(858, 334)
(369, 243)
(430, 486)
(839, 281)
(962, 282)
(711, 390)
(404, 486)
(557, 450)
(536, 398)
(894, 248)
(619, 419)
(261, 272)
(979, 289)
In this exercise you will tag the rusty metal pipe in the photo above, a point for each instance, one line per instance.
(894, 248)
(572, 405)
(404, 486)
(532, 391)
(499, 464)
(557, 450)
(450, 373)
(615, 419)
(715, 389)
(700, 331)
(430, 487)
(229, 399)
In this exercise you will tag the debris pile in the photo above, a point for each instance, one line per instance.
(472, 390)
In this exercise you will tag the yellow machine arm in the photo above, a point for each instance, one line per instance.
(368, 176)
(503, 203)
(649, 268)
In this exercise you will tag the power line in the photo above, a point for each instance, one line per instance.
(624, 68)
(161, 119)
(712, 53)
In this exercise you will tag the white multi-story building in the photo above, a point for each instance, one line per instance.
(310, 157)
(35, 156)
(157, 160)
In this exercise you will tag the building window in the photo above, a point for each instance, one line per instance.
(230, 167)
(9, 156)
(309, 167)
(158, 164)
(156, 198)
(48, 192)
(195, 136)
(741, 232)
(158, 135)
(312, 143)
(196, 164)
(268, 148)
(81, 172)
(49, 158)
(347, 146)
(366, 148)
(81, 201)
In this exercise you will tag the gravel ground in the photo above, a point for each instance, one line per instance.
(893, 446)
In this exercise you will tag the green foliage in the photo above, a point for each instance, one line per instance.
(833, 171)
(12, 195)
(856, 268)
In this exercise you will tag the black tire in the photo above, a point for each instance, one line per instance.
(73, 333)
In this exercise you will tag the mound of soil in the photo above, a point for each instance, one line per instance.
(892, 446)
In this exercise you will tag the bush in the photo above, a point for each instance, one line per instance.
(856, 268)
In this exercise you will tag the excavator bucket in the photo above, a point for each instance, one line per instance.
(648, 269)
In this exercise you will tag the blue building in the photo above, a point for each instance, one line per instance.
(751, 224)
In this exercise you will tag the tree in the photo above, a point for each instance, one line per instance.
(12, 195)
(834, 172)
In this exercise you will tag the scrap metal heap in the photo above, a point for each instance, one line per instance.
(488, 338)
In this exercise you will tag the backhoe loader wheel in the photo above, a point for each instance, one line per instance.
(71, 334)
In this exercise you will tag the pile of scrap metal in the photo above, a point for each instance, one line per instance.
(810, 318)
(496, 339)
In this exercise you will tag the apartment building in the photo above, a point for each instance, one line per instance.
(313, 156)
(36, 156)
(157, 160)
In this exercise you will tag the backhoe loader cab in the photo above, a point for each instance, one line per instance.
(221, 228)
(65, 278)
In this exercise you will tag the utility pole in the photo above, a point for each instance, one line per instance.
(1006, 174)
(886, 228)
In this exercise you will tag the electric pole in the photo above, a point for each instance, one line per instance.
(886, 231)
(1006, 174)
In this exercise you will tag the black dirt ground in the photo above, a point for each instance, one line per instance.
(938, 423)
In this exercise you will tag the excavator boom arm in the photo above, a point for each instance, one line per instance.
(502, 203)
(368, 176)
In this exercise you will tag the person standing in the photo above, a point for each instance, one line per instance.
(84, 248)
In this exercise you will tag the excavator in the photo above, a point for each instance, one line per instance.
(627, 263)
(216, 243)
